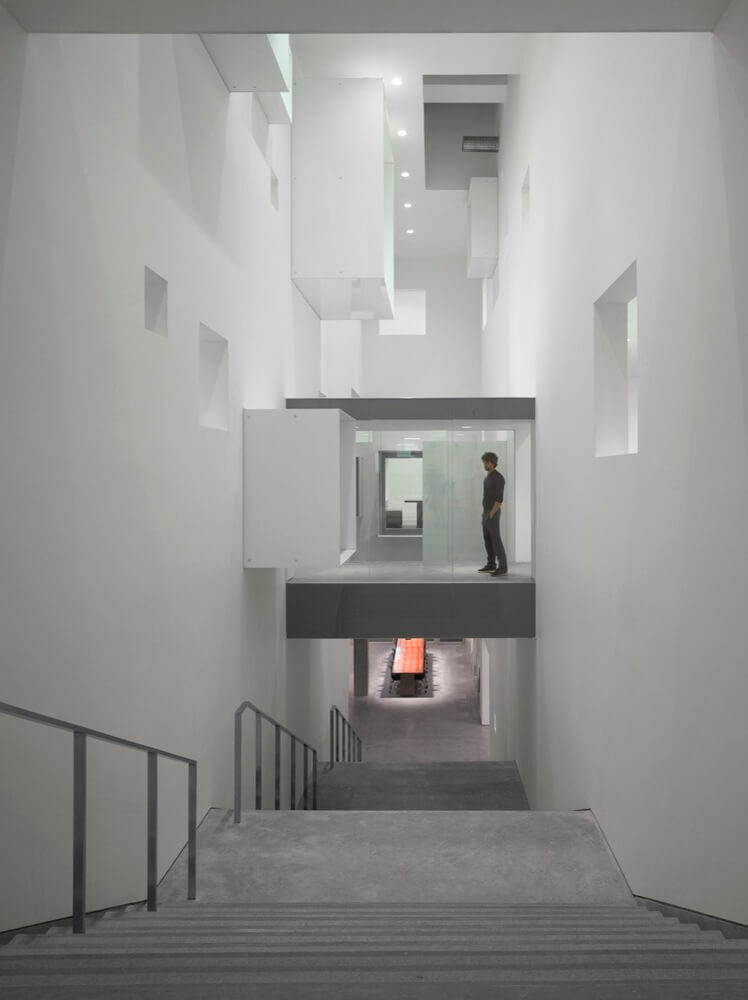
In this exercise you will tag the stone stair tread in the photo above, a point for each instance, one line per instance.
(410, 990)
(387, 950)
(548, 966)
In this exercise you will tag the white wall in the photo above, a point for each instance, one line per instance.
(634, 701)
(320, 675)
(340, 365)
(123, 603)
(446, 362)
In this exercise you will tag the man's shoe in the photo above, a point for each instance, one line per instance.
(500, 572)
(488, 568)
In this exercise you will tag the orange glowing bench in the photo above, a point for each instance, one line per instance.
(410, 657)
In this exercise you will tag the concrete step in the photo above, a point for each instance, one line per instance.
(289, 966)
(472, 785)
(415, 988)
(490, 949)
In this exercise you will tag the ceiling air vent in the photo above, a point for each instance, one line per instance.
(480, 144)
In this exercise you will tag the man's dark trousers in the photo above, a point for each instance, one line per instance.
(492, 539)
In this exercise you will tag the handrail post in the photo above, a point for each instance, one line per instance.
(332, 737)
(314, 791)
(337, 736)
(258, 761)
(293, 772)
(79, 833)
(350, 742)
(192, 830)
(306, 776)
(238, 766)
(152, 829)
(360, 750)
(277, 766)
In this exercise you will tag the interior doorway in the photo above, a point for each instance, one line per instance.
(445, 725)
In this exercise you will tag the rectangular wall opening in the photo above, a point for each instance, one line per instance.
(616, 368)
(274, 197)
(156, 303)
(214, 379)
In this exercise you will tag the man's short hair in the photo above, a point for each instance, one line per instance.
(489, 456)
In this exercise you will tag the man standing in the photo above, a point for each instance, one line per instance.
(493, 497)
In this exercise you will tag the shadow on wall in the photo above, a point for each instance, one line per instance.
(12, 71)
(513, 720)
(263, 653)
(187, 155)
(731, 69)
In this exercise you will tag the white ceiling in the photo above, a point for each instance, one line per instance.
(439, 218)
(353, 16)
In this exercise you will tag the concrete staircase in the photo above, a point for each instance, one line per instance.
(368, 905)
(352, 950)
(474, 785)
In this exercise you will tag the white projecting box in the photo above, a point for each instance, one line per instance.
(299, 488)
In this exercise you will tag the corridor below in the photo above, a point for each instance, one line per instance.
(445, 727)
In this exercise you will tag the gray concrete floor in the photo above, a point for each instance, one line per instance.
(390, 857)
(403, 571)
(445, 727)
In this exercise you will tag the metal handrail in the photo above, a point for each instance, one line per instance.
(80, 735)
(279, 728)
(352, 746)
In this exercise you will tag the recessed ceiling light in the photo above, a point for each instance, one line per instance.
(410, 231)
(397, 81)
(405, 173)
(407, 205)
(401, 132)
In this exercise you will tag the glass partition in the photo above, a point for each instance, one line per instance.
(419, 496)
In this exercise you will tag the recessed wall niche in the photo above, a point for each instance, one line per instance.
(214, 379)
(616, 368)
(274, 200)
(156, 303)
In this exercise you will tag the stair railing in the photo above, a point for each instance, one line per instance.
(259, 716)
(80, 737)
(347, 748)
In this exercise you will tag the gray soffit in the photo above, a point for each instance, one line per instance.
(362, 16)
(485, 609)
(424, 408)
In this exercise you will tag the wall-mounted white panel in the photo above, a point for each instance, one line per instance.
(342, 197)
(483, 238)
(249, 63)
(299, 502)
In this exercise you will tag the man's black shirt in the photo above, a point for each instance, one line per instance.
(493, 489)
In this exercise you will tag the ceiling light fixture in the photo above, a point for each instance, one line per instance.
(401, 132)
(405, 173)
(397, 81)
(407, 204)
(410, 231)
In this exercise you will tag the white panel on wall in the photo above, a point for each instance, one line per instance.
(342, 198)
(299, 490)
(410, 314)
(258, 64)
